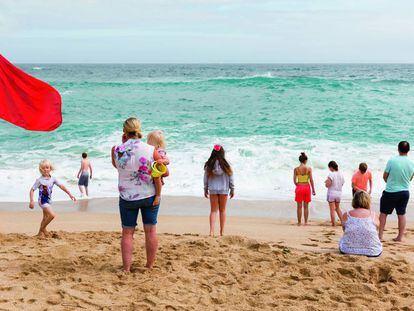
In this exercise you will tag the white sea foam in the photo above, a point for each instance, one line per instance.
(263, 166)
(37, 68)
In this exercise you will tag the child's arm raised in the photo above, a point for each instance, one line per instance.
(67, 192)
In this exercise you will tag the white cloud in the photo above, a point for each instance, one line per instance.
(287, 30)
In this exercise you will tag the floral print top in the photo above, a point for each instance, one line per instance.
(360, 237)
(133, 160)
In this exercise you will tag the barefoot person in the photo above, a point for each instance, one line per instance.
(360, 228)
(83, 175)
(45, 185)
(397, 175)
(334, 183)
(133, 160)
(218, 184)
(303, 180)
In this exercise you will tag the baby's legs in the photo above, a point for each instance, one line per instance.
(222, 198)
(214, 207)
(48, 216)
(158, 188)
(306, 212)
(338, 211)
(299, 213)
(332, 211)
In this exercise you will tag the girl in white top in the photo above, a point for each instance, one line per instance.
(334, 183)
(360, 228)
(45, 185)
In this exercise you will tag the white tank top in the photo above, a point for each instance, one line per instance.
(133, 160)
(360, 237)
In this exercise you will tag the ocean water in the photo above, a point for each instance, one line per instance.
(263, 115)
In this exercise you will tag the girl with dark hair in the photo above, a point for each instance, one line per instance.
(303, 180)
(334, 183)
(218, 184)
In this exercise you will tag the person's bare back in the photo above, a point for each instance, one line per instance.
(83, 174)
(85, 166)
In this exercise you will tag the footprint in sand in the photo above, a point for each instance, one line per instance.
(308, 244)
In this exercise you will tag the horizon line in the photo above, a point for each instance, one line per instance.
(217, 63)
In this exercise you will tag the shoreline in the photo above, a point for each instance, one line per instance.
(199, 206)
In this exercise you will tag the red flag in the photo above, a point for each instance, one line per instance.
(26, 101)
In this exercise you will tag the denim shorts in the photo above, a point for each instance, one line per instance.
(129, 212)
(394, 200)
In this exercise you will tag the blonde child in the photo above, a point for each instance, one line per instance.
(45, 185)
(157, 139)
(218, 184)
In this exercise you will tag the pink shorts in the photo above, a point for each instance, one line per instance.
(303, 193)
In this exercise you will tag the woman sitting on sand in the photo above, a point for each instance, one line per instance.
(302, 176)
(360, 228)
(133, 159)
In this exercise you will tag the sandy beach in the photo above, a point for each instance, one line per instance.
(261, 263)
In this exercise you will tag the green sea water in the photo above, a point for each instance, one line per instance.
(264, 115)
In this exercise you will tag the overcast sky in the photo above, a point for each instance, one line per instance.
(193, 31)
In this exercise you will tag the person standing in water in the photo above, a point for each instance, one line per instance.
(334, 183)
(83, 175)
(303, 180)
(398, 175)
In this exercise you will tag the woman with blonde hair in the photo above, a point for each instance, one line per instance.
(133, 159)
(360, 227)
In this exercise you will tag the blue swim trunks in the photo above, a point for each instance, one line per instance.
(129, 212)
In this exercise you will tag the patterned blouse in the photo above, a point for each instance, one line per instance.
(133, 160)
(360, 237)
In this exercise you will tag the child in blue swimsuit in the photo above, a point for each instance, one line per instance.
(45, 185)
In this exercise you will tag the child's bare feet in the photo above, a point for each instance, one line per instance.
(299, 224)
(212, 234)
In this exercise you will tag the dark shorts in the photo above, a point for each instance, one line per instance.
(394, 200)
(83, 179)
(129, 212)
